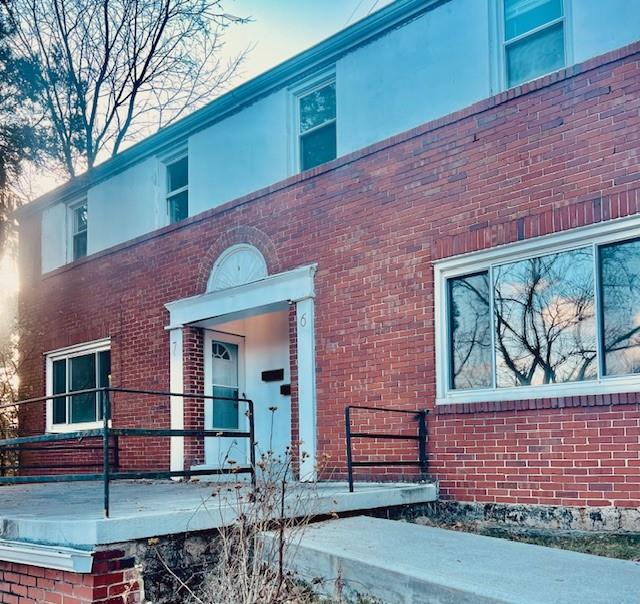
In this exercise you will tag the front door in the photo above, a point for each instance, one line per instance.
(224, 378)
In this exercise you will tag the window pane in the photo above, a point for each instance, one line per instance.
(59, 385)
(178, 174)
(521, 16)
(545, 323)
(318, 147)
(318, 107)
(179, 207)
(470, 332)
(225, 413)
(80, 245)
(80, 219)
(104, 374)
(620, 278)
(83, 377)
(535, 55)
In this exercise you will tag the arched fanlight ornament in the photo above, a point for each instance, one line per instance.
(236, 266)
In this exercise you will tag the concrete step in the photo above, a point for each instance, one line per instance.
(402, 563)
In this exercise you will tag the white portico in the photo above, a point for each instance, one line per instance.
(244, 318)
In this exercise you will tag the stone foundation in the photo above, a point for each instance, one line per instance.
(527, 517)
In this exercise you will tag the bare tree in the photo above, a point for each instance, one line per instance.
(18, 125)
(115, 70)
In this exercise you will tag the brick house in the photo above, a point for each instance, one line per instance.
(379, 220)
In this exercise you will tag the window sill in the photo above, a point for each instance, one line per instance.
(65, 428)
(603, 386)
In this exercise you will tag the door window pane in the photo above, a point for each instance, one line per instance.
(521, 16)
(544, 319)
(83, 377)
(535, 55)
(620, 283)
(225, 385)
(225, 412)
(470, 332)
(59, 386)
(318, 146)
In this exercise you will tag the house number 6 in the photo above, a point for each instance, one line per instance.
(303, 320)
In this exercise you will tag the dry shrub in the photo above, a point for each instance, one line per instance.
(249, 568)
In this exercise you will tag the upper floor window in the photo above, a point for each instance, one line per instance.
(178, 189)
(79, 226)
(534, 39)
(317, 126)
(84, 367)
(570, 316)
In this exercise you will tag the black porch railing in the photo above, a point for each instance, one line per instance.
(420, 417)
(109, 447)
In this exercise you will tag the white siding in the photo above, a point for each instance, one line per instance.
(126, 206)
(434, 65)
(438, 63)
(54, 237)
(245, 152)
(603, 25)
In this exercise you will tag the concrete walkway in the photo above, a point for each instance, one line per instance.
(402, 563)
(70, 514)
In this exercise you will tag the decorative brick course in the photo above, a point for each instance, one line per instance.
(545, 157)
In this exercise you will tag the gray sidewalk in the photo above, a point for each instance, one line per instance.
(404, 563)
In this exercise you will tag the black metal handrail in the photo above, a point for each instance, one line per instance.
(421, 438)
(108, 434)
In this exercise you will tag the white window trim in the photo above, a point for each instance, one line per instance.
(611, 231)
(296, 93)
(566, 20)
(66, 353)
(70, 227)
(166, 161)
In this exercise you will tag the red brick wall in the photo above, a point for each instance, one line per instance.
(545, 157)
(193, 376)
(113, 580)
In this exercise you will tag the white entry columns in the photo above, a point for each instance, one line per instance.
(294, 287)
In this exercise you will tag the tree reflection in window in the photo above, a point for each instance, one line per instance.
(545, 319)
(471, 356)
(620, 286)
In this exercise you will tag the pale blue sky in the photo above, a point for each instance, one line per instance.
(282, 28)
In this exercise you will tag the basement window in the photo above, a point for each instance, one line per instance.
(534, 39)
(178, 189)
(84, 367)
(317, 125)
(540, 321)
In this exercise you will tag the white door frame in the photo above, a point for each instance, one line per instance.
(210, 444)
(295, 287)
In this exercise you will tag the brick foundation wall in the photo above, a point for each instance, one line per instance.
(113, 580)
(544, 157)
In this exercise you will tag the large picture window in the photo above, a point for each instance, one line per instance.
(81, 368)
(562, 318)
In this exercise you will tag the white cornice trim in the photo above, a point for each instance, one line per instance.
(291, 286)
(46, 556)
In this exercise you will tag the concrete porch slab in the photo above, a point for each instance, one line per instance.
(404, 563)
(70, 514)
